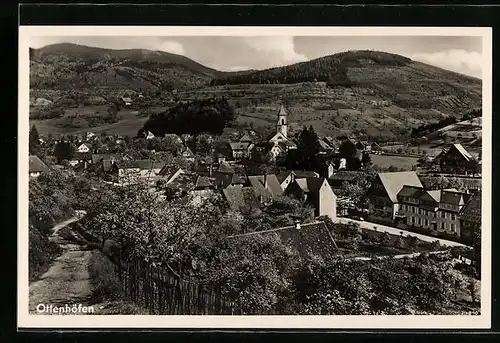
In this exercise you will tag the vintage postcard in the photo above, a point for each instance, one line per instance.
(254, 177)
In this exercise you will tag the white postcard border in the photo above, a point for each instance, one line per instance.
(25, 320)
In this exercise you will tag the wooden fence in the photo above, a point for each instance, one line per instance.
(161, 292)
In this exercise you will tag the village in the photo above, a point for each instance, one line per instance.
(396, 199)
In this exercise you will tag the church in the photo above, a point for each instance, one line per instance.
(280, 141)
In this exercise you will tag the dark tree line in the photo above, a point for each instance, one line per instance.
(329, 69)
(196, 117)
(325, 69)
(475, 113)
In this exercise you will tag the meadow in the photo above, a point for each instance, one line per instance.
(128, 124)
(400, 162)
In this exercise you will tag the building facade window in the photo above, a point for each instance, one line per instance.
(452, 227)
(442, 226)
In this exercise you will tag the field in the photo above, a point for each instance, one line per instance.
(401, 162)
(127, 125)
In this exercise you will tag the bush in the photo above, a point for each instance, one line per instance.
(103, 277)
(41, 252)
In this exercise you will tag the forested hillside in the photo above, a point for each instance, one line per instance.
(71, 66)
(205, 116)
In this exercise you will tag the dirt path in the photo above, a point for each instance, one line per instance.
(67, 281)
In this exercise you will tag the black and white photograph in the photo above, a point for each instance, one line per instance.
(250, 174)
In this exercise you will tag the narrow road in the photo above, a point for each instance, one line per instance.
(397, 231)
(67, 281)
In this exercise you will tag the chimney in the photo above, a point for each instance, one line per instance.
(297, 224)
(265, 181)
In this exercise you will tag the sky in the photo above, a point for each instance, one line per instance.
(462, 54)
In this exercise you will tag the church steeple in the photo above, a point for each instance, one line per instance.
(282, 125)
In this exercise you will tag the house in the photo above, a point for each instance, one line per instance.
(105, 167)
(246, 139)
(127, 157)
(174, 138)
(187, 154)
(131, 171)
(84, 147)
(277, 138)
(333, 143)
(168, 173)
(302, 238)
(305, 173)
(375, 147)
(317, 192)
(450, 205)
(127, 101)
(186, 137)
(242, 199)
(90, 136)
(241, 150)
(324, 146)
(197, 188)
(329, 168)
(266, 187)
(285, 177)
(149, 135)
(223, 181)
(96, 158)
(276, 150)
(337, 179)
(225, 176)
(433, 210)
(36, 166)
(364, 146)
(455, 160)
(470, 219)
(83, 159)
(384, 190)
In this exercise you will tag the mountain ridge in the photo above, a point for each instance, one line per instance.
(372, 92)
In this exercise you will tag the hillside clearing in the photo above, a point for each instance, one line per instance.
(401, 162)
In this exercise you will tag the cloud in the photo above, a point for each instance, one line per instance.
(277, 51)
(458, 60)
(172, 46)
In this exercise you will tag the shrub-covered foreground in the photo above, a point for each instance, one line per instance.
(260, 274)
(52, 199)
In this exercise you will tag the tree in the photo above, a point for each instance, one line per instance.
(399, 243)
(34, 141)
(440, 183)
(63, 151)
(347, 149)
(413, 243)
(306, 154)
(366, 160)
(385, 239)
